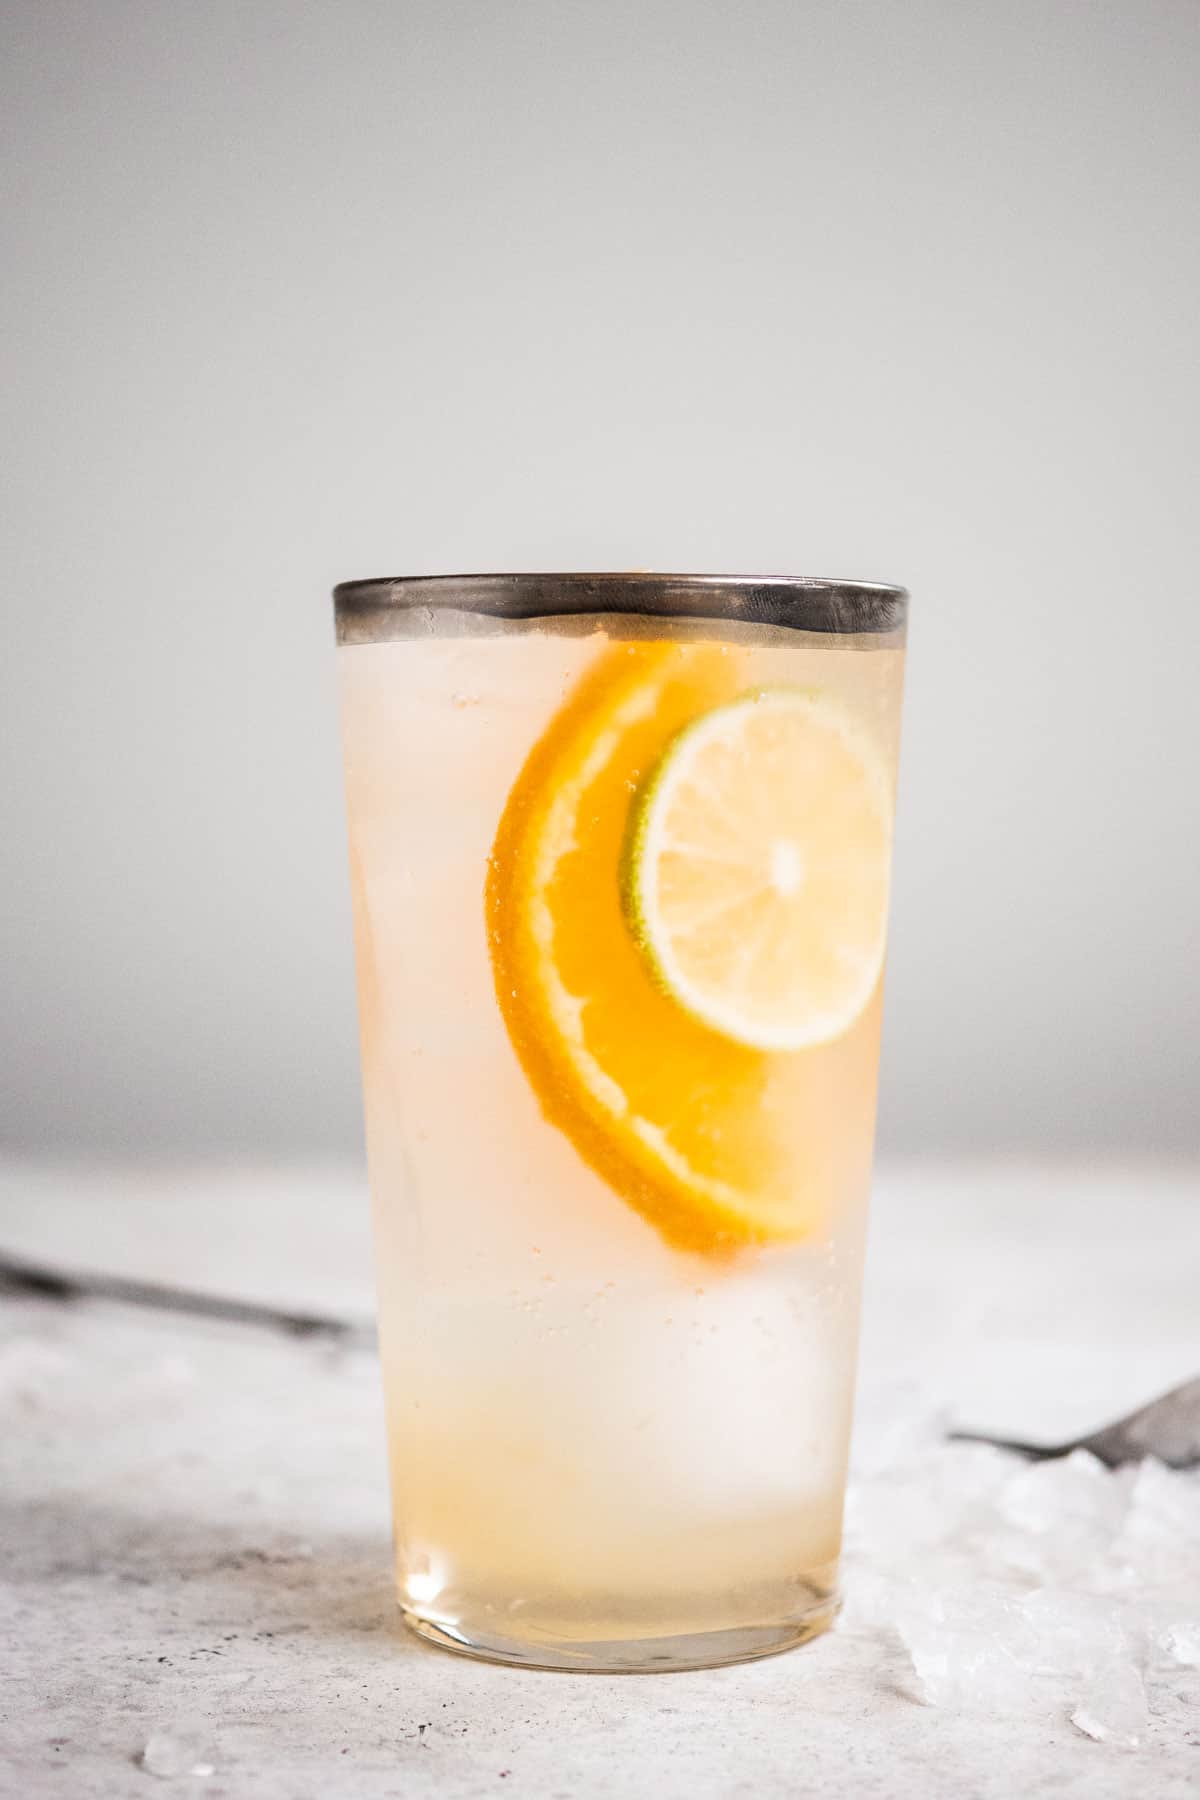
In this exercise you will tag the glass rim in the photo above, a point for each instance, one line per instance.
(794, 602)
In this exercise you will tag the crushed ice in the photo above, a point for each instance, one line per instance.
(183, 1749)
(1059, 1587)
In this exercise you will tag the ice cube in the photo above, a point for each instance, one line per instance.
(1113, 1709)
(1161, 1536)
(969, 1647)
(1065, 1516)
(1073, 1634)
(181, 1749)
(1182, 1643)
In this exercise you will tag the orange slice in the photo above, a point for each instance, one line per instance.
(718, 1144)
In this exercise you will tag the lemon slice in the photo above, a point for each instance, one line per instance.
(756, 871)
(717, 1144)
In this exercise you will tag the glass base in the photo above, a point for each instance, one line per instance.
(632, 1656)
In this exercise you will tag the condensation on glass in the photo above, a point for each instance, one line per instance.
(619, 853)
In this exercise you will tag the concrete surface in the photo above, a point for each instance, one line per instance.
(194, 1521)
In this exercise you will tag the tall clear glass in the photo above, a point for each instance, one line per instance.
(620, 849)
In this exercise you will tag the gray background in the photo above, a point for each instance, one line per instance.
(296, 292)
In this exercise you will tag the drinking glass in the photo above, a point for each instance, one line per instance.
(620, 850)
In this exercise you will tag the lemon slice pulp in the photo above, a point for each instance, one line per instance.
(756, 874)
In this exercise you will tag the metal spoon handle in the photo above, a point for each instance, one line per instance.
(20, 1276)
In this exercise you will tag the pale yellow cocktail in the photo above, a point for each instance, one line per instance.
(620, 889)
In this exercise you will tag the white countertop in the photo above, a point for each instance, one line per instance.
(194, 1544)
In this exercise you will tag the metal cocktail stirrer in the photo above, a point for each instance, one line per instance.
(19, 1276)
(1168, 1428)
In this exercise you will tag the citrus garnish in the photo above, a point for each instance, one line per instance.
(757, 870)
(718, 1143)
